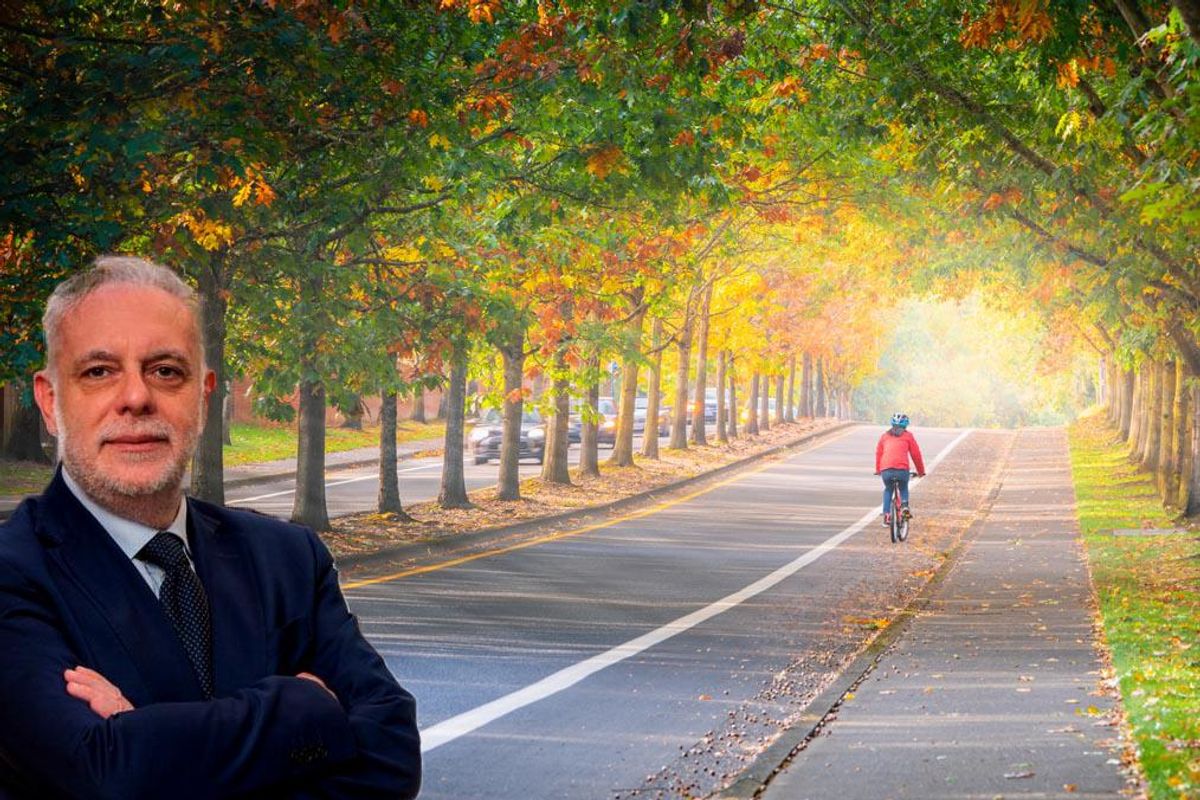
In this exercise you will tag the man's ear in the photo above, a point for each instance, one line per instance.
(210, 383)
(43, 393)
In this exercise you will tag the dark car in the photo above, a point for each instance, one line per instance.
(484, 440)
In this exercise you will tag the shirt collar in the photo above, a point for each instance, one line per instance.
(130, 536)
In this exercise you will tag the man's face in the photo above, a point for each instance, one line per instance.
(127, 395)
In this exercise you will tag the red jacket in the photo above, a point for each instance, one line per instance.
(892, 452)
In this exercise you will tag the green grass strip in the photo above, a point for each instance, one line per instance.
(1149, 594)
(255, 443)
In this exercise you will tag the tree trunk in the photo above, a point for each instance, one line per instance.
(653, 393)
(1136, 416)
(779, 405)
(443, 403)
(512, 352)
(752, 407)
(733, 404)
(418, 410)
(699, 434)
(227, 416)
(554, 469)
(1127, 389)
(806, 384)
(790, 413)
(1112, 379)
(622, 454)
(820, 409)
(764, 404)
(453, 492)
(1154, 421)
(1192, 508)
(589, 444)
(1175, 436)
(208, 462)
(24, 442)
(389, 481)
(679, 416)
(722, 428)
(309, 507)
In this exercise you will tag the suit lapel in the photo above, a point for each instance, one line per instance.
(239, 631)
(97, 569)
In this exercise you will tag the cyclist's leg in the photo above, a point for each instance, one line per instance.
(890, 477)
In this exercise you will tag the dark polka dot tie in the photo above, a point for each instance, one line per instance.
(183, 598)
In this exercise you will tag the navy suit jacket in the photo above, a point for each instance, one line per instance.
(70, 597)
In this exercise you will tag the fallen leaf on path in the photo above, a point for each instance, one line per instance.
(1015, 775)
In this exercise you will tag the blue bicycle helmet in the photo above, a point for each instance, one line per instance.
(900, 420)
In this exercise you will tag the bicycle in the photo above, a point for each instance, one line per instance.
(901, 518)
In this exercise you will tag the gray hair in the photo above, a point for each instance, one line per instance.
(108, 271)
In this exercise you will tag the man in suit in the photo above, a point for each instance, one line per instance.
(155, 646)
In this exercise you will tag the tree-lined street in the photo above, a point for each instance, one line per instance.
(748, 221)
(537, 622)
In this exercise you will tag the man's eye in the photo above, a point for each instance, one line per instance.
(168, 373)
(95, 372)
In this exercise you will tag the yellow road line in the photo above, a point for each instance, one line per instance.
(645, 512)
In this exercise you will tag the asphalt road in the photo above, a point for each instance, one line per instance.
(350, 491)
(588, 666)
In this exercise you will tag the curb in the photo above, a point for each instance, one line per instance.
(755, 778)
(415, 550)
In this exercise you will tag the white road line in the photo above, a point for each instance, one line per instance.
(371, 477)
(448, 730)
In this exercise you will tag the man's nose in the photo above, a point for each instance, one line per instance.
(135, 397)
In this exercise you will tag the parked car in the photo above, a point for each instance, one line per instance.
(710, 407)
(641, 407)
(485, 437)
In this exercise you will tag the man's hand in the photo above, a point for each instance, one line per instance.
(308, 676)
(95, 690)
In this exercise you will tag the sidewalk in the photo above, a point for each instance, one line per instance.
(992, 692)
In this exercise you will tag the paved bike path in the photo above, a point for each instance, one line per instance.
(992, 692)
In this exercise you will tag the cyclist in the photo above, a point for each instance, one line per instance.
(895, 447)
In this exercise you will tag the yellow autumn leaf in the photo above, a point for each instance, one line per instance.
(243, 194)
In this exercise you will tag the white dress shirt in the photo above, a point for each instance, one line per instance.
(132, 536)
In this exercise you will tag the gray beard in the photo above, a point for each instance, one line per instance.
(146, 502)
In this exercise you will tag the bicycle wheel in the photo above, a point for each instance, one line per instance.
(902, 522)
(896, 521)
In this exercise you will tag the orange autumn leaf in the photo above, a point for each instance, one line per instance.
(685, 139)
(604, 160)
